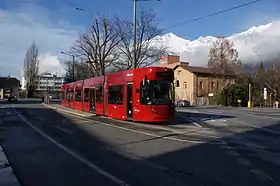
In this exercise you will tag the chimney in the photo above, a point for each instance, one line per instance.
(169, 61)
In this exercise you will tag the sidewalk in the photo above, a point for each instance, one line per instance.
(7, 177)
(68, 110)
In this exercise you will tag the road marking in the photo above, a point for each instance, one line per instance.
(225, 147)
(261, 174)
(193, 120)
(148, 126)
(268, 117)
(81, 121)
(135, 157)
(254, 126)
(122, 121)
(233, 153)
(64, 130)
(244, 161)
(72, 153)
(218, 142)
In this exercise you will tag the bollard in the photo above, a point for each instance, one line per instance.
(249, 104)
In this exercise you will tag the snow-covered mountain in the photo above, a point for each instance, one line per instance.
(255, 44)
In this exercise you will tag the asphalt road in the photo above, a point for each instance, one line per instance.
(226, 146)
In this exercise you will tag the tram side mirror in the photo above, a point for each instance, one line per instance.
(145, 81)
(137, 90)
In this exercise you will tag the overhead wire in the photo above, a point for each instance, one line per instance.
(212, 14)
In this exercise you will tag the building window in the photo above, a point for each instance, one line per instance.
(200, 85)
(86, 94)
(177, 83)
(185, 84)
(178, 72)
(218, 85)
(98, 93)
(212, 86)
(115, 94)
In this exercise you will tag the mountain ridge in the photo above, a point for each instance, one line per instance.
(251, 44)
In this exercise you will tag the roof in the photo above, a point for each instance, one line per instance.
(8, 82)
(201, 70)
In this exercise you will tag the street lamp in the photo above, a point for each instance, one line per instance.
(73, 64)
(134, 29)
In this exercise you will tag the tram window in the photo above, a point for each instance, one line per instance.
(144, 92)
(61, 95)
(69, 94)
(78, 95)
(115, 94)
(86, 94)
(98, 93)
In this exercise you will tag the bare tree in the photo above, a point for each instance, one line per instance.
(272, 78)
(97, 46)
(223, 58)
(148, 50)
(31, 68)
(68, 75)
(81, 71)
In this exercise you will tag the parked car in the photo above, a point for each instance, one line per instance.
(12, 99)
(183, 103)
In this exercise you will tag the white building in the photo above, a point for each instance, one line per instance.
(23, 83)
(48, 81)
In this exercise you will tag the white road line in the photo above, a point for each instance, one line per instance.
(226, 147)
(193, 120)
(244, 161)
(122, 121)
(149, 126)
(133, 156)
(219, 142)
(233, 153)
(272, 131)
(254, 126)
(261, 174)
(63, 130)
(72, 153)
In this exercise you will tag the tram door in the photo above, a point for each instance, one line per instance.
(92, 99)
(129, 106)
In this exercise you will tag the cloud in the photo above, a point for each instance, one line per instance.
(50, 63)
(259, 43)
(20, 27)
(255, 44)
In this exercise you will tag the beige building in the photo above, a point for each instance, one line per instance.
(198, 85)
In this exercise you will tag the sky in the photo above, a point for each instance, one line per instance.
(55, 24)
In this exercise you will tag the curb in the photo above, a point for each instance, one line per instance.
(69, 112)
(7, 176)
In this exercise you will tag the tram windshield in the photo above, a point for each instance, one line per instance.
(157, 92)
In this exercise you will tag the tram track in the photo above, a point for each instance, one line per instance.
(186, 134)
(57, 129)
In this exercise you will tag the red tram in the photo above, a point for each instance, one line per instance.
(143, 94)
